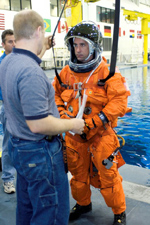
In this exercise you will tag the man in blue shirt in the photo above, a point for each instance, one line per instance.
(8, 171)
(34, 123)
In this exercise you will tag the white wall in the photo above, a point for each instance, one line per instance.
(42, 7)
(8, 24)
(126, 45)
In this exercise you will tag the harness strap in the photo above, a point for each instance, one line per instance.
(83, 86)
(115, 44)
(70, 82)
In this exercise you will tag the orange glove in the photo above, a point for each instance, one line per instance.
(93, 122)
(86, 128)
(65, 114)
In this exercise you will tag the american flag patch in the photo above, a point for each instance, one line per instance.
(2, 21)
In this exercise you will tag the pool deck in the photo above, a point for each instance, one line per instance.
(136, 183)
(137, 190)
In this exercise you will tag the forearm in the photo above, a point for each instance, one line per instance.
(47, 45)
(42, 52)
(50, 125)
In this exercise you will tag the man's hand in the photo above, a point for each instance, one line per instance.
(78, 126)
(51, 125)
(48, 43)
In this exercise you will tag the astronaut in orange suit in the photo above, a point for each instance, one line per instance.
(83, 96)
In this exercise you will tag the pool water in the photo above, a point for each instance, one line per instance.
(134, 127)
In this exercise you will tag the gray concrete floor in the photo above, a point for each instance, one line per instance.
(137, 190)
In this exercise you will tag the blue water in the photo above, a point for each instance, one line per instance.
(134, 127)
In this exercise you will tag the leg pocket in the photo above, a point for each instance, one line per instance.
(49, 200)
(33, 163)
(115, 197)
(75, 161)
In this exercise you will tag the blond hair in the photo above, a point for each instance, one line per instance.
(25, 24)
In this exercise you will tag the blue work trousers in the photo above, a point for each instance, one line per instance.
(42, 184)
(8, 171)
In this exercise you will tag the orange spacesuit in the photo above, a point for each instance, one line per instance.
(82, 91)
(100, 140)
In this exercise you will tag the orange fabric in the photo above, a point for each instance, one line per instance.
(114, 197)
(119, 159)
(78, 164)
(100, 144)
(129, 109)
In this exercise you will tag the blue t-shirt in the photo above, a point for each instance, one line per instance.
(1, 58)
(27, 93)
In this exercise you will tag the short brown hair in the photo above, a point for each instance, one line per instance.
(5, 33)
(25, 23)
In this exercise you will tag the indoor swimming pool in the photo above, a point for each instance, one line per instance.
(135, 126)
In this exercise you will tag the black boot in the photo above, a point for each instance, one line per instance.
(120, 219)
(77, 210)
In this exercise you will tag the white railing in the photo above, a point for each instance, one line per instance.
(132, 58)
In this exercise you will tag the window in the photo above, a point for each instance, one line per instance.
(108, 15)
(98, 14)
(53, 8)
(56, 7)
(112, 16)
(4, 4)
(15, 5)
(26, 4)
(104, 15)
(107, 44)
